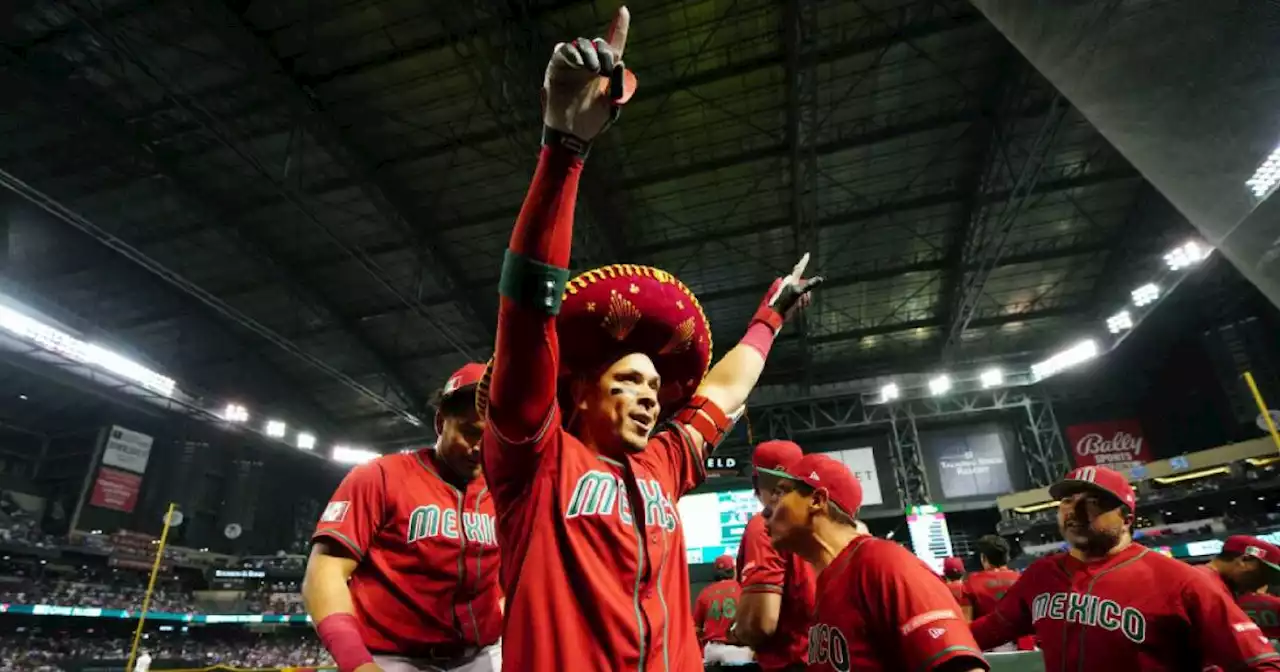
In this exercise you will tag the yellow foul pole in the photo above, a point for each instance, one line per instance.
(1262, 408)
(151, 586)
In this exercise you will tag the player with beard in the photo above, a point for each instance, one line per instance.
(878, 607)
(403, 574)
(599, 409)
(777, 586)
(1111, 604)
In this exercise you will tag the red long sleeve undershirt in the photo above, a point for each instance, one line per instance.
(526, 360)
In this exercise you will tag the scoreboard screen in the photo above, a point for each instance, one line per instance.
(930, 538)
(714, 522)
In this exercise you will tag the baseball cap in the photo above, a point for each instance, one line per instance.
(824, 473)
(952, 566)
(724, 563)
(773, 457)
(467, 376)
(1265, 552)
(1099, 479)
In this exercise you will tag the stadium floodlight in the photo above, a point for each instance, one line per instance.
(66, 345)
(276, 429)
(235, 413)
(1145, 294)
(889, 392)
(939, 384)
(1188, 254)
(349, 455)
(1265, 178)
(306, 441)
(1077, 354)
(992, 377)
(1121, 321)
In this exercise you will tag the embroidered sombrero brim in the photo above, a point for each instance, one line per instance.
(617, 310)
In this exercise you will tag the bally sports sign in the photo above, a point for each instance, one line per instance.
(1118, 444)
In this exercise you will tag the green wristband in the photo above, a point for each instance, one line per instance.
(531, 283)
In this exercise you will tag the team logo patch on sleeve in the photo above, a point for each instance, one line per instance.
(336, 512)
(926, 618)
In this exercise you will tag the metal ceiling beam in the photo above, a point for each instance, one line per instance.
(801, 34)
(393, 204)
(94, 114)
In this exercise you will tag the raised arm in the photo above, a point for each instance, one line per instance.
(579, 105)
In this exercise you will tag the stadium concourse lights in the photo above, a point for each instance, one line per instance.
(1121, 321)
(1188, 254)
(1265, 178)
(993, 377)
(1077, 354)
(939, 385)
(306, 441)
(349, 455)
(889, 392)
(1145, 294)
(276, 429)
(235, 413)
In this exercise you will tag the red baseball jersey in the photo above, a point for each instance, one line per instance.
(762, 568)
(1135, 610)
(956, 587)
(715, 610)
(589, 584)
(1264, 610)
(880, 608)
(982, 590)
(428, 554)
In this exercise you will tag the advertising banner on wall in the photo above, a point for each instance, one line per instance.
(862, 462)
(967, 461)
(127, 450)
(115, 489)
(1118, 444)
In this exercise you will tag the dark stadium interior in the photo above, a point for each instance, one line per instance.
(297, 209)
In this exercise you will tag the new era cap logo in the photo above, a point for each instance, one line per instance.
(813, 475)
(937, 632)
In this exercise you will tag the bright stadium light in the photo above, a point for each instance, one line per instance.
(889, 392)
(939, 384)
(1121, 321)
(1077, 354)
(66, 345)
(276, 429)
(306, 441)
(348, 455)
(1145, 294)
(1188, 254)
(235, 413)
(1265, 178)
(992, 378)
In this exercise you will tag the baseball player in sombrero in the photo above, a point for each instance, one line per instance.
(600, 406)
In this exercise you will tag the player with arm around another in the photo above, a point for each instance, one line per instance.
(713, 615)
(879, 608)
(403, 574)
(777, 586)
(1108, 603)
(600, 405)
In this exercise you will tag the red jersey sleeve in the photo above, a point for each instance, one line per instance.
(700, 611)
(917, 616)
(1226, 635)
(965, 595)
(356, 510)
(522, 391)
(1011, 618)
(681, 465)
(763, 569)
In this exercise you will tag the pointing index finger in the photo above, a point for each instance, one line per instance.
(617, 35)
(798, 271)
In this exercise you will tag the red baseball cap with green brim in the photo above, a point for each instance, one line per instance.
(1265, 552)
(1096, 479)
(773, 457)
(825, 473)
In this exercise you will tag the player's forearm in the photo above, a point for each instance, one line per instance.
(731, 380)
(526, 360)
(328, 601)
(991, 631)
(757, 618)
(325, 591)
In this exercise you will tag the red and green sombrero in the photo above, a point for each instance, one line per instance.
(616, 310)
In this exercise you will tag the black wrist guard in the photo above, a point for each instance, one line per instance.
(553, 138)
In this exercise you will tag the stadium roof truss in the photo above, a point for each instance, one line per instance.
(304, 204)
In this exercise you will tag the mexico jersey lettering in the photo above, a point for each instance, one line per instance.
(591, 584)
(427, 552)
(1134, 610)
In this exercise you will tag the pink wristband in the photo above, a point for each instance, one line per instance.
(340, 634)
(759, 337)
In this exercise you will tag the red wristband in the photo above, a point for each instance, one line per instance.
(759, 337)
(340, 634)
